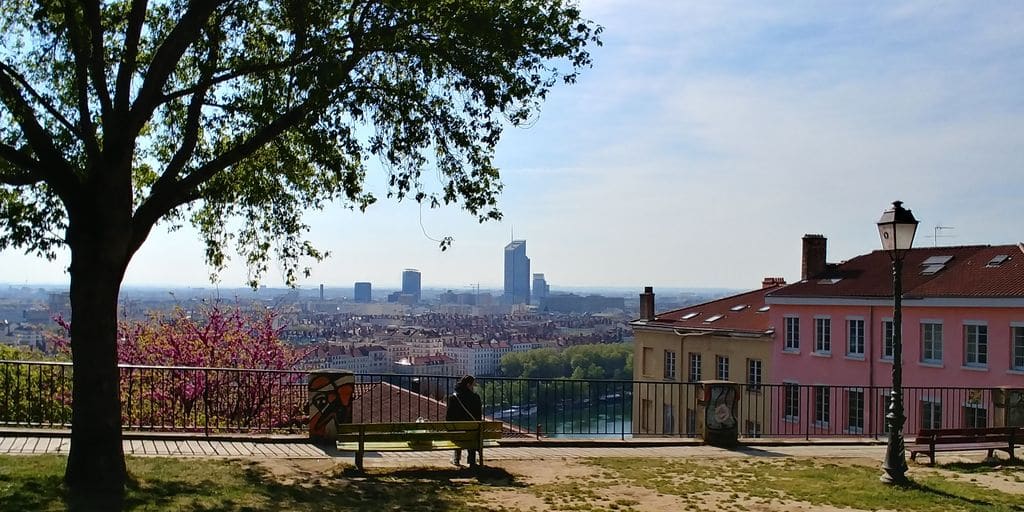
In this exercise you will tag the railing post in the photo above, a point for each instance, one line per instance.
(206, 401)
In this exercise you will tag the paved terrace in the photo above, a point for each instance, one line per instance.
(294, 447)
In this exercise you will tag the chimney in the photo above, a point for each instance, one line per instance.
(647, 303)
(772, 282)
(813, 256)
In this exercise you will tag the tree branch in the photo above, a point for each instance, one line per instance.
(53, 167)
(79, 51)
(20, 161)
(42, 101)
(166, 59)
(242, 71)
(97, 61)
(122, 87)
(190, 134)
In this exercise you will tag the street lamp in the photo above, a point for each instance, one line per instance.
(896, 228)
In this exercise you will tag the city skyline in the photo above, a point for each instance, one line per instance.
(706, 140)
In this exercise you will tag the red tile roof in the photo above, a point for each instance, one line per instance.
(967, 274)
(749, 319)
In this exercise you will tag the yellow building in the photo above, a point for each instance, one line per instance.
(725, 339)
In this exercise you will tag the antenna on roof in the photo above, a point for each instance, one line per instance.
(936, 235)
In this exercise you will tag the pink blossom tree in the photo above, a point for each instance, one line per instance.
(214, 368)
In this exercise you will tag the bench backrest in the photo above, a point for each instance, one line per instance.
(488, 429)
(969, 435)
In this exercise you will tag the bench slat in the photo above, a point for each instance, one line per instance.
(924, 448)
(395, 446)
(405, 437)
(440, 426)
(932, 441)
(416, 436)
(963, 439)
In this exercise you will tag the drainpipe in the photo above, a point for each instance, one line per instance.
(682, 357)
(870, 354)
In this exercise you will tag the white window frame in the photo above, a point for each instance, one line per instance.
(852, 414)
(721, 367)
(976, 407)
(1017, 346)
(855, 341)
(977, 358)
(823, 335)
(755, 373)
(931, 412)
(888, 343)
(787, 387)
(929, 353)
(670, 364)
(792, 333)
(822, 406)
(695, 363)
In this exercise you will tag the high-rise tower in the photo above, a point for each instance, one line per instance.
(517, 273)
(411, 283)
(363, 292)
(540, 288)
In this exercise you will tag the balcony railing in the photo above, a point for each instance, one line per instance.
(226, 400)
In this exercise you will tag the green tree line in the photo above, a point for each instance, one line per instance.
(602, 361)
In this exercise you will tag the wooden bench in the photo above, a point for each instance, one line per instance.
(930, 441)
(417, 436)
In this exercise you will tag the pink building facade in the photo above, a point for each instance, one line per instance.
(962, 338)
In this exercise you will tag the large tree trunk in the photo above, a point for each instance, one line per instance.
(99, 256)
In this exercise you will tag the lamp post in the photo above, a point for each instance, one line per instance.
(896, 228)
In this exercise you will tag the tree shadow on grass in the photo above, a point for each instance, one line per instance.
(916, 486)
(426, 489)
(251, 487)
(985, 466)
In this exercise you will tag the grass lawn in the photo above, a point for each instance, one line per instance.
(611, 485)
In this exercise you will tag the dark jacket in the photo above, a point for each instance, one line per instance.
(464, 405)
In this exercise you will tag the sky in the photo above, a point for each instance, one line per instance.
(706, 140)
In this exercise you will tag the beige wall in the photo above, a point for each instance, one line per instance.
(656, 400)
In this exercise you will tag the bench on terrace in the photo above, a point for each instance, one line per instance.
(931, 441)
(417, 436)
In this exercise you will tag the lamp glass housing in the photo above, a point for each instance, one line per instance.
(897, 228)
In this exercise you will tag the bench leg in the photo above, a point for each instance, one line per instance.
(359, 460)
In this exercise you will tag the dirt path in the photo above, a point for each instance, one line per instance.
(622, 485)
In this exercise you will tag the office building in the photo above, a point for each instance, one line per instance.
(517, 273)
(540, 288)
(411, 283)
(363, 292)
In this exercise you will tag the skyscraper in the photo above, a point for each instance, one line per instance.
(540, 288)
(363, 292)
(517, 273)
(411, 283)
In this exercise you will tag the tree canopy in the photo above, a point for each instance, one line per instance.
(600, 361)
(203, 111)
(120, 114)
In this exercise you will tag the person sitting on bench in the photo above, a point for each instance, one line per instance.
(464, 405)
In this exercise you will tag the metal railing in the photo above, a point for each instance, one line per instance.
(219, 400)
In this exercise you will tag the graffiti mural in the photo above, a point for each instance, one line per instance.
(330, 402)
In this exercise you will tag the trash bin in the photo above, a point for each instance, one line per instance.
(717, 403)
(330, 403)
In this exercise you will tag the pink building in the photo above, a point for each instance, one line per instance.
(963, 327)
